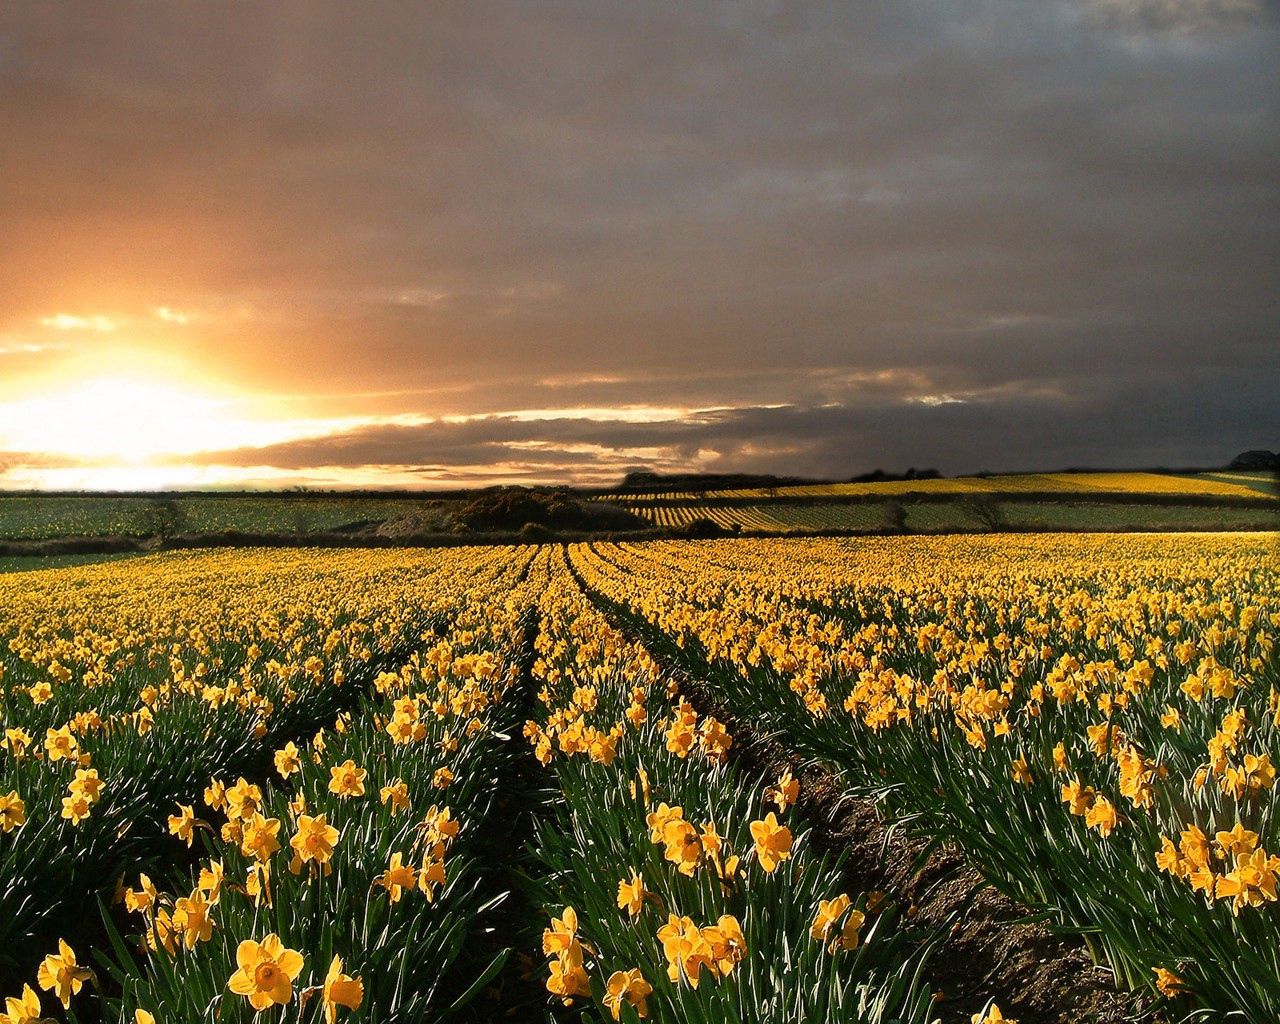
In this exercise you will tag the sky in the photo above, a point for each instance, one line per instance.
(437, 245)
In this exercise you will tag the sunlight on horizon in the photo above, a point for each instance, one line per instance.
(130, 418)
(133, 431)
(160, 429)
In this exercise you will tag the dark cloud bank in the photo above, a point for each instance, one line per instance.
(815, 440)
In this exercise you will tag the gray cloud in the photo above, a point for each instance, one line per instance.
(1183, 16)
(1112, 425)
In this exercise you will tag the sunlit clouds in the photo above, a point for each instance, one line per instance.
(71, 322)
(149, 432)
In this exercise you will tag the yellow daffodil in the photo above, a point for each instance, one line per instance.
(192, 918)
(396, 795)
(13, 812)
(772, 842)
(398, 877)
(266, 972)
(25, 1009)
(288, 760)
(60, 974)
(314, 841)
(183, 823)
(627, 987)
(340, 990)
(1168, 983)
(346, 780)
(784, 792)
(631, 894)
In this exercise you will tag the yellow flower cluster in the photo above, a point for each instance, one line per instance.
(289, 630)
(1108, 706)
(689, 949)
(1129, 679)
(1233, 867)
(722, 847)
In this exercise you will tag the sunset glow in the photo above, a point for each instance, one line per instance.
(140, 431)
(127, 419)
(149, 431)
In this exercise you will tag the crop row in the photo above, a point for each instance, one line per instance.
(1092, 721)
(683, 888)
(124, 703)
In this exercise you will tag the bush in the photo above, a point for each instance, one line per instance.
(514, 508)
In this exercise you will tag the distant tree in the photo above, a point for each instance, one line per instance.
(164, 518)
(536, 533)
(986, 511)
(895, 514)
(1259, 458)
(701, 528)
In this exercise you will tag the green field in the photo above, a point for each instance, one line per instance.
(35, 563)
(40, 517)
(1258, 480)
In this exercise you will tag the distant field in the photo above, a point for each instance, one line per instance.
(1227, 485)
(1225, 500)
(35, 563)
(39, 517)
(943, 516)
(1265, 483)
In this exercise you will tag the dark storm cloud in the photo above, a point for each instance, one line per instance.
(1178, 16)
(1068, 210)
(1112, 424)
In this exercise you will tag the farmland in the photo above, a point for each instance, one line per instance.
(955, 516)
(43, 516)
(1119, 502)
(66, 524)
(1225, 484)
(599, 781)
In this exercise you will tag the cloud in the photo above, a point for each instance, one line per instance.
(70, 322)
(1155, 421)
(938, 400)
(1179, 16)
(1133, 423)
(455, 211)
(10, 347)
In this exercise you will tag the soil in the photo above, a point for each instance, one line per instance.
(990, 951)
(1035, 976)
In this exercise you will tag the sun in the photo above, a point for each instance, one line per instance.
(127, 419)
(158, 429)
